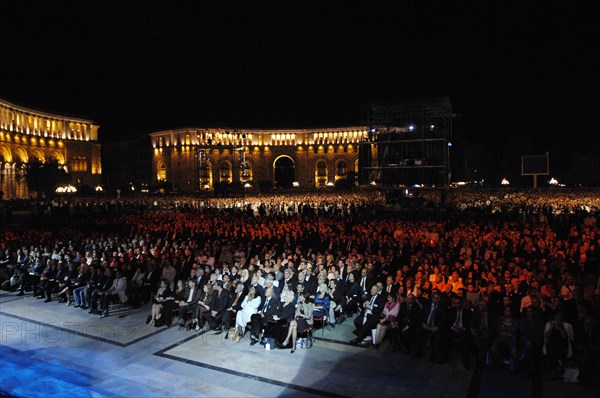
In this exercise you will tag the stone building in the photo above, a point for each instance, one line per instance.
(27, 133)
(194, 158)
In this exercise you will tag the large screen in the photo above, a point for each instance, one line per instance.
(532, 165)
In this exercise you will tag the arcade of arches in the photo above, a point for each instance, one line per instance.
(26, 134)
(308, 157)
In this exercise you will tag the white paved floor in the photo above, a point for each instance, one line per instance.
(47, 348)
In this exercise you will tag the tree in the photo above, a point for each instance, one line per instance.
(43, 177)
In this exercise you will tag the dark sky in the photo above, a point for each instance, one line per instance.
(510, 68)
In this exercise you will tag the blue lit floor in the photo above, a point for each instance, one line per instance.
(25, 374)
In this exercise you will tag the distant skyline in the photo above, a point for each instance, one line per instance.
(510, 69)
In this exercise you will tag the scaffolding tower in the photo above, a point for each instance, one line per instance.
(238, 175)
(408, 143)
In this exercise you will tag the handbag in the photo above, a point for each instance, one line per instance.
(232, 334)
(270, 343)
(571, 372)
(16, 279)
(304, 342)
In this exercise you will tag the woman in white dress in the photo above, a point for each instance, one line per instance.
(249, 307)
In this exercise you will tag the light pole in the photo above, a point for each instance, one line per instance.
(448, 166)
(202, 165)
(245, 169)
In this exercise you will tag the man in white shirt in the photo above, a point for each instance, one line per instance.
(370, 316)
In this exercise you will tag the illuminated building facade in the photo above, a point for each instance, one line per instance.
(191, 158)
(26, 134)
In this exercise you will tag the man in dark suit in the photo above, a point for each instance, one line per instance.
(190, 302)
(370, 315)
(233, 306)
(310, 281)
(201, 278)
(390, 286)
(432, 317)
(276, 285)
(186, 264)
(342, 269)
(54, 279)
(484, 325)
(394, 261)
(409, 323)
(95, 279)
(457, 328)
(265, 313)
(365, 282)
(218, 310)
(289, 279)
(104, 284)
(153, 277)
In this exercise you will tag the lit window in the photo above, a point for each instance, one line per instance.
(78, 164)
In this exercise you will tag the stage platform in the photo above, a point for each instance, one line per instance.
(50, 349)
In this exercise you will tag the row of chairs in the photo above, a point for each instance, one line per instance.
(320, 322)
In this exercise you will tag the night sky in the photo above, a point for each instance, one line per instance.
(510, 68)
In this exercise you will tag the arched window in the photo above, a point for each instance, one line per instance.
(161, 174)
(341, 170)
(321, 173)
(5, 154)
(225, 172)
(39, 155)
(206, 174)
(321, 168)
(246, 171)
(59, 158)
(284, 171)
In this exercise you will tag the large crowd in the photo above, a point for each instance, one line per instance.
(506, 278)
